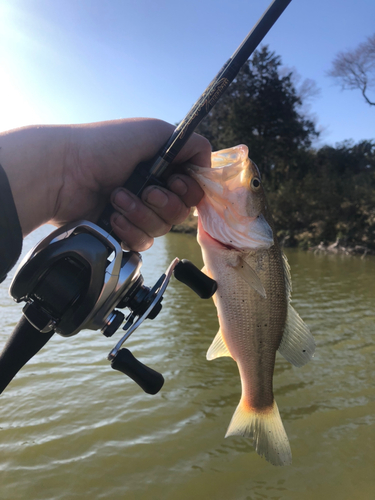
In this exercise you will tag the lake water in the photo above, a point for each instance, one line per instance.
(73, 428)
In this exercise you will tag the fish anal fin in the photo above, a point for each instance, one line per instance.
(266, 431)
(248, 274)
(297, 344)
(218, 348)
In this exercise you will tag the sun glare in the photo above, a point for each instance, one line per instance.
(15, 105)
(16, 111)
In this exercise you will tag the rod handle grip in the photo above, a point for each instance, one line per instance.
(22, 345)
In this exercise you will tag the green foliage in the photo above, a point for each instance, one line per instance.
(334, 198)
(315, 195)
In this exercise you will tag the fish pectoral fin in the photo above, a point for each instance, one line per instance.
(248, 274)
(266, 431)
(218, 348)
(297, 345)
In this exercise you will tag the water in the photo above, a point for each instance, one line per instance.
(73, 428)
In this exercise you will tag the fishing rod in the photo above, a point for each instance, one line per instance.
(150, 173)
(78, 277)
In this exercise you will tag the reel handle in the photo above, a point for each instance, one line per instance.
(148, 379)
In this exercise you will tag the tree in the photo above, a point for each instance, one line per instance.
(334, 199)
(315, 194)
(261, 109)
(355, 69)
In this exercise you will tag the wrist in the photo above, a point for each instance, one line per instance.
(33, 159)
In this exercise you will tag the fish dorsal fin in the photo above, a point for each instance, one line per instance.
(218, 348)
(297, 345)
(248, 274)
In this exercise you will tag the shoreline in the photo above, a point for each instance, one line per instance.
(189, 226)
(339, 248)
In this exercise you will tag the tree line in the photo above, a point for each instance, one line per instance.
(316, 194)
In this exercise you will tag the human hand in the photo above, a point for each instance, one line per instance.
(65, 173)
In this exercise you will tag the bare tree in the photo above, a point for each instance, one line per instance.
(355, 69)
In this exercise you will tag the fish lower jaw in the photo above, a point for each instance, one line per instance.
(204, 235)
(226, 237)
(224, 245)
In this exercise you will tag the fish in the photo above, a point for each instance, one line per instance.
(241, 253)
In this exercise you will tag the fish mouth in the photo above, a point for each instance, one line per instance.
(253, 233)
(232, 212)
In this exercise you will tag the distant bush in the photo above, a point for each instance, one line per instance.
(334, 199)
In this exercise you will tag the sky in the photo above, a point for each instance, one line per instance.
(78, 61)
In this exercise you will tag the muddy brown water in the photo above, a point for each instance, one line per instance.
(73, 428)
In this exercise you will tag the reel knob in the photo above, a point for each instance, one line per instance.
(186, 272)
(148, 379)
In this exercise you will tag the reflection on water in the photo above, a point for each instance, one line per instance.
(71, 427)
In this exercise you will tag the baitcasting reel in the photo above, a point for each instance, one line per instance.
(78, 278)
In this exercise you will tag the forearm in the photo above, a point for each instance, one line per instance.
(33, 159)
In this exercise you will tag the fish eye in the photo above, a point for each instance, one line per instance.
(255, 183)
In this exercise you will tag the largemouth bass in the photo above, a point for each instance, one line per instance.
(241, 252)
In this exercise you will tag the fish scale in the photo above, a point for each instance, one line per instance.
(241, 252)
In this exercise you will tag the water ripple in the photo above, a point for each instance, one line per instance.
(72, 428)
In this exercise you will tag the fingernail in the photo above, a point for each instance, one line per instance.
(156, 197)
(124, 201)
(178, 186)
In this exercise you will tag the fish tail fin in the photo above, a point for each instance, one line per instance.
(266, 430)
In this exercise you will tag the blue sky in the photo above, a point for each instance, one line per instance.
(76, 61)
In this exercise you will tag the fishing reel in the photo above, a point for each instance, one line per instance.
(78, 278)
